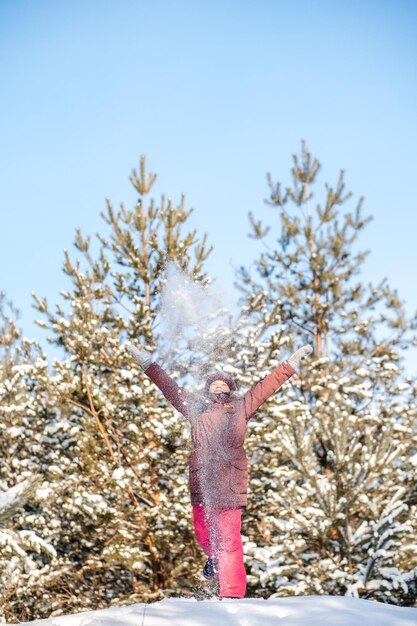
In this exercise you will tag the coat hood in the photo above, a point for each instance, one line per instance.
(220, 376)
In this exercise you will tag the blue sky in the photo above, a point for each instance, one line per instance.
(215, 94)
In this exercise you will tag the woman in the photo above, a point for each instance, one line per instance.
(218, 468)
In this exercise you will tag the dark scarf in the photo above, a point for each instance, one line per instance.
(220, 398)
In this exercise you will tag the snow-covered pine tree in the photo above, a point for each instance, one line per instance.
(333, 504)
(24, 547)
(116, 453)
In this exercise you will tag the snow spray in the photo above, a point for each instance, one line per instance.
(197, 331)
(195, 326)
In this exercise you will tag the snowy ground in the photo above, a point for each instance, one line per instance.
(300, 611)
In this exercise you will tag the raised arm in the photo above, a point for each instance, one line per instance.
(271, 383)
(176, 395)
(260, 392)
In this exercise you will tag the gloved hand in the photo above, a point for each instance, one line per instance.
(295, 358)
(142, 356)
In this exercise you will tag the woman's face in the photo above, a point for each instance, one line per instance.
(219, 386)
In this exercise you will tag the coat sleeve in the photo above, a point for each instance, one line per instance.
(176, 395)
(266, 387)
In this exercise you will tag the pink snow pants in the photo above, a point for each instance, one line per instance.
(218, 533)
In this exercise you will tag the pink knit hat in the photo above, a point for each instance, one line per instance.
(220, 376)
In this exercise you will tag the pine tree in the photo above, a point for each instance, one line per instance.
(333, 503)
(24, 547)
(114, 454)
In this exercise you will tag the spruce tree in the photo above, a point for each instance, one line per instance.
(333, 504)
(115, 454)
(25, 549)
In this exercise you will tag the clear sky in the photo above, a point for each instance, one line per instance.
(215, 94)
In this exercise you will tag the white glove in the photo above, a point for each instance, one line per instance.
(295, 358)
(142, 356)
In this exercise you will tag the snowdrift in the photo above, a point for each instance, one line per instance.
(300, 611)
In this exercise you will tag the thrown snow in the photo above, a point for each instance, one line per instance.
(187, 308)
(193, 318)
(298, 611)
